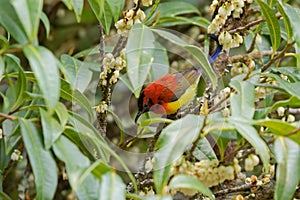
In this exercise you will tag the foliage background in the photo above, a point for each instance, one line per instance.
(49, 69)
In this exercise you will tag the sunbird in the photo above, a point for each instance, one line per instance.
(167, 94)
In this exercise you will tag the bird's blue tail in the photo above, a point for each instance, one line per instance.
(218, 50)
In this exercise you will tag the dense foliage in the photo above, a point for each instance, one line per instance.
(70, 74)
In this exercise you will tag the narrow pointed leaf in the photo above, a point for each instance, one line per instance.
(112, 187)
(286, 19)
(139, 54)
(250, 134)
(171, 144)
(76, 163)
(189, 182)
(45, 67)
(272, 23)
(287, 155)
(29, 13)
(51, 128)
(11, 22)
(242, 103)
(41, 160)
(281, 128)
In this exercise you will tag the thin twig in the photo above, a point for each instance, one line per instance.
(251, 48)
(249, 25)
(233, 189)
(279, 55)
(219, 103)
(102, 45)
(10, 117)
(119, 46)
(200, 136)
(250, 56)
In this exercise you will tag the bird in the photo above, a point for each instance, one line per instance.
(167, 94)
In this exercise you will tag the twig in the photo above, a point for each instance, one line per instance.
(119, 46)
(219, 103)
(102, 45)
(250, 56)
(247, 26)
(200, 136)
(293, 132)
(129, 140)
(251, 48)
(10, 117)
(233, 189)
(279, 55)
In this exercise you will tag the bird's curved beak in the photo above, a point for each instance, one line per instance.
(138, 115)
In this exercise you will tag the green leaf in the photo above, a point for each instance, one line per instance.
(4, 44)
(62, 113)
(4, 196)
(76, 72)
(291, 88)
(175, 21)
(11, 22)
(13, 134)
(292, 72)
(46, 23)
(242, 103)
(199, 59)
(287, 155)
(68, 94)
(51, 128)
(286, 19)
(204, 151)
(112, 187)
(116, 8)
(160, 65)
(139, 55)
(272, 23)
(223, 137)
(21, 88)
(77, 6)
(76, 163)
(281, 128)
(29, 13)
(189, 182)
(294, 19)
(250, 134)
(41, 160)
(45, 67)
(171, 144)
(106, 11)
(90, 137)
(172, 9)
(292, 102)
(98, 168)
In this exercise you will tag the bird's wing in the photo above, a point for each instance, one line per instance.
(176, 84)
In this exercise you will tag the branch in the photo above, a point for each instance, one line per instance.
(279, 55)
